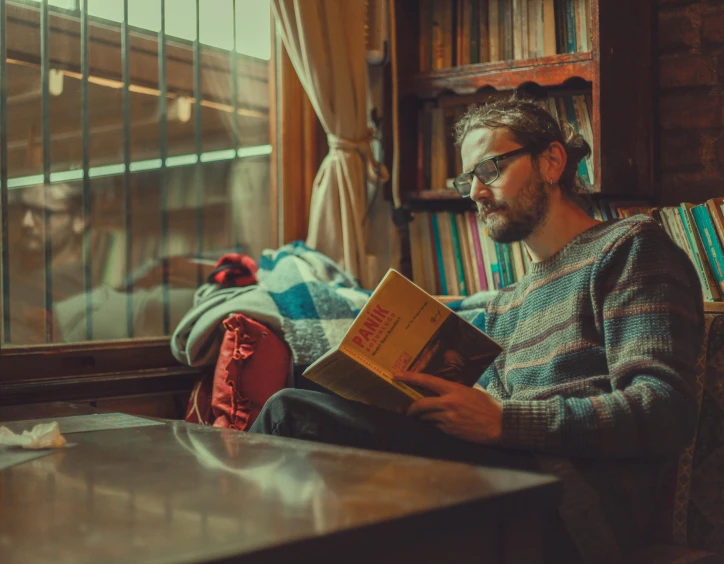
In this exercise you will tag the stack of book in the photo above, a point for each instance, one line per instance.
(452, 254)
(462, 32)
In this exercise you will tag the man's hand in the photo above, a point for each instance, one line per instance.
(471, 414)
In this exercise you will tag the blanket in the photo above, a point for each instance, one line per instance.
(301, 295)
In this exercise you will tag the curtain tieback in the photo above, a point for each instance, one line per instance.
(376, 171)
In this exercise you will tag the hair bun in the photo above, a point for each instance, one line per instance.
(577, 148)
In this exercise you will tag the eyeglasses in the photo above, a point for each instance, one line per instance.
(38, 213)
(487, 171)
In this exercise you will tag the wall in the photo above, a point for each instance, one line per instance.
(691, 102)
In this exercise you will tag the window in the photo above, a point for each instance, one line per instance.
(134, 157)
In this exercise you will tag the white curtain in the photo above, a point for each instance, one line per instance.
(325, 42)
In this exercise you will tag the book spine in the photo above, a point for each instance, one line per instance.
(710, 242)
(506, 252)
(438, 254)
(418, 275)
(570, 26)
(677, 230)
(456, 246)
(549, 28)
(507, 31)
(492, 259)
(480, 263)
(517, 29)
(709, 288)
(448, 253)
(501, 265)
(717, 216)
(425, 34)
(518, 263)
(472, 263)
(484, 37)
(475, 31)
(466, 252)
(494, 29)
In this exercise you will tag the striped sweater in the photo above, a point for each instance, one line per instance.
(600, 343)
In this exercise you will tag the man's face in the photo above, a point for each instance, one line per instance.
(63, 215)
(515, 204)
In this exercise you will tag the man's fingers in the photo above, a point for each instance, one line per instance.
(425, 405)
(432, 383)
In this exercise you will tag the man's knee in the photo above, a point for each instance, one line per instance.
(280, 407)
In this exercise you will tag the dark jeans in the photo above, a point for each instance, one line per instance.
(321, 417)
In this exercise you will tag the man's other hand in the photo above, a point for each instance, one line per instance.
(471, 414)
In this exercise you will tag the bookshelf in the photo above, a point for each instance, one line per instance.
(614, 73)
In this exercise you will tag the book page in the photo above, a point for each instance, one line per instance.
(352, 380)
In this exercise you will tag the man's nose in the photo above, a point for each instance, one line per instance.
(28, 219)
(479, 191)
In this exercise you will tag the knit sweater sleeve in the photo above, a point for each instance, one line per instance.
(647, 304)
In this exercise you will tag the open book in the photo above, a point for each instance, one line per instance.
(402, 328)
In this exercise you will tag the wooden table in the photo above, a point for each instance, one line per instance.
(175, 492)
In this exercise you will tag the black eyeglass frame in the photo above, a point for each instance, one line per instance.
(496, 159)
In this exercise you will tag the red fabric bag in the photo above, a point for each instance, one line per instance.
(253, 365)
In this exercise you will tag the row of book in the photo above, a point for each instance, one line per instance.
(698, 229)
(500, 30)
(452, 254)
(439, 161)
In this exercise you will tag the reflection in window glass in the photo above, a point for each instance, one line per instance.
(125, 260)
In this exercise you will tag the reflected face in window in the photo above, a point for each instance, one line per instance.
(63, 211)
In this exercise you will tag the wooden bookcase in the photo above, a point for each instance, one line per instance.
(617, 72)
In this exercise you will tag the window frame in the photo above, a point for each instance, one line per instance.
(94, 370)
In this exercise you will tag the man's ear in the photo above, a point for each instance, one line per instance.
(553, 162)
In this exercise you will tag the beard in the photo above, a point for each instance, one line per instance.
(517, 220)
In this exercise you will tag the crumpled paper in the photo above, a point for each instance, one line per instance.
(43, 435)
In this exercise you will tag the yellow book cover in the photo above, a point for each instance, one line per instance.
(402, 328)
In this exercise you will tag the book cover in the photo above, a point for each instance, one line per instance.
(402, 328)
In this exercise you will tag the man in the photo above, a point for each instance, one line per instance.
(600, 340)
(61, 204)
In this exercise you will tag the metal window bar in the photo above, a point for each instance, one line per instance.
(85, 127)
(45, 127)
(234, 63)
(198, 171)
(127, 201)
(163, 133)
(4, 228)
